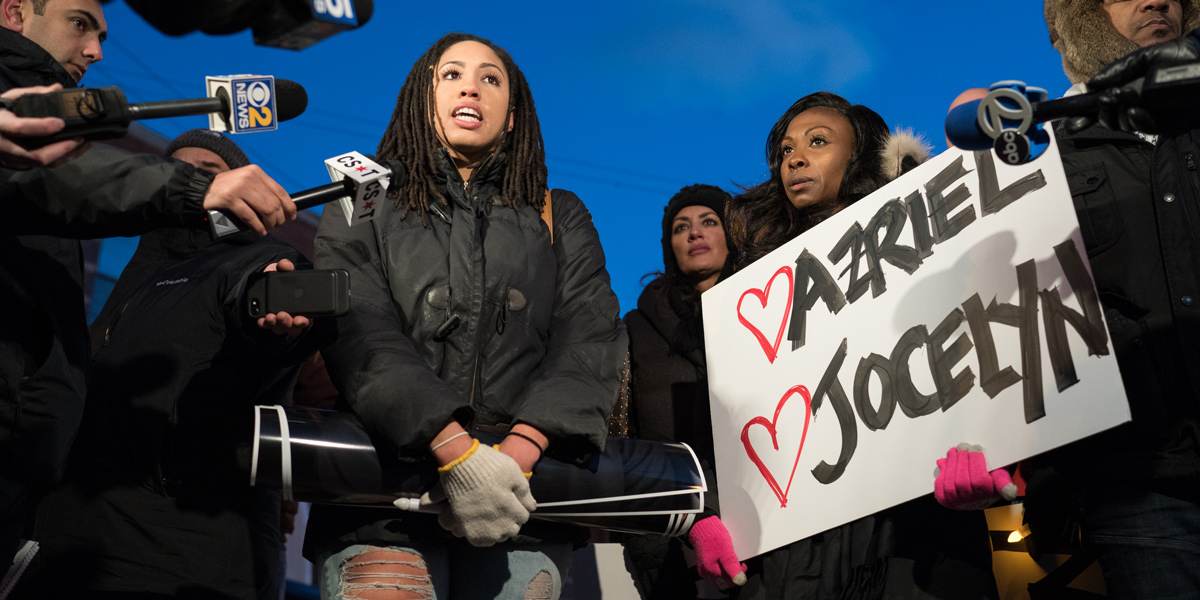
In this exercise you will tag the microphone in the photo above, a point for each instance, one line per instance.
(359, 192)
(298, 24)
(975, 125)
(104, 113)
(293, 24)
(251, 101)
(978, 125)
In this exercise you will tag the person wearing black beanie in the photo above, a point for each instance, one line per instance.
(668, 377)
(212, 141)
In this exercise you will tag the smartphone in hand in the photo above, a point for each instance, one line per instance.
(309, 293)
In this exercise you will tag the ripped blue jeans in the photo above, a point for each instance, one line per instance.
(444, 570)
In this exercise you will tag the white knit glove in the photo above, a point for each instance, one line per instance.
(489, 497)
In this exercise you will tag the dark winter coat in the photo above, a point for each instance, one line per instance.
(154, 499)
(475, 316)
(44, 343)
(669, 388)
(668, 403)
(1139, 211)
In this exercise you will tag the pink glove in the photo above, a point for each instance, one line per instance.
(963, 482)
(715, 559)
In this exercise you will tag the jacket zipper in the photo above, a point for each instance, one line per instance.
(108, 330)
(478, 330)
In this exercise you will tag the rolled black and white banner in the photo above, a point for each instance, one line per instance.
(327, 457)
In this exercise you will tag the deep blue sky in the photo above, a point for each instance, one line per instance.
(636, 99)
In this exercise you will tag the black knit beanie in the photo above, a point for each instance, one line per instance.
(701, 194)
(213, 142)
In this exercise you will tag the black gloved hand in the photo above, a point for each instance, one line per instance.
(1136, 64)
(1117, 111)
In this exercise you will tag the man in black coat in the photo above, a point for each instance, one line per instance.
(154, 501)
(1135, 488)
(105, 192)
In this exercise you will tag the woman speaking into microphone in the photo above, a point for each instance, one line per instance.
(480, 308)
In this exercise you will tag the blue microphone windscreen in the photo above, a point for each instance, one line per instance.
(963, 130)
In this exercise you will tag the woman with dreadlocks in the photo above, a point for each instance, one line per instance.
(480, 307)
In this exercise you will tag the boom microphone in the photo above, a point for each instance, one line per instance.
(292, 24)
(104, 113)
(298, 24)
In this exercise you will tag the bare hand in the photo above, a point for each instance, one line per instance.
(281, 323)
(523, 451)
(252, 196)
(12, 128)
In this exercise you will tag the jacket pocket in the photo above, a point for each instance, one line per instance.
(1096, 207)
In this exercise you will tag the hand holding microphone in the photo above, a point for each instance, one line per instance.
(255, 199)
(15, 130)
(360, 184)
(1119, 103)
(241, 103)
(1137, 93)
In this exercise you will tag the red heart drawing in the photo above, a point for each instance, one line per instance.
(771, 428)
(771, 350)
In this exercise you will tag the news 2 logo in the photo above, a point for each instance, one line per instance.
(336, 11)
(254, 104)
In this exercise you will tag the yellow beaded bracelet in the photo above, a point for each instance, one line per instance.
(459, 460)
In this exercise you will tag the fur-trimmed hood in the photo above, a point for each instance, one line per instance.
(904, 150)
(1081, 31)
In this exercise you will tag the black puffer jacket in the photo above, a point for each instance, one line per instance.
(476, 316)
(154, 499)
(43, 342)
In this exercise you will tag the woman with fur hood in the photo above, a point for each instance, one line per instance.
(825, 154)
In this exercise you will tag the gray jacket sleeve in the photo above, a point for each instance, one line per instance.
(373, 363)
(106, 192)
(574, 389)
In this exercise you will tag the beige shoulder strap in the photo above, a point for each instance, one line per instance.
(548, 216)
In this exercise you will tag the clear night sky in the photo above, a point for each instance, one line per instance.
(636, 99)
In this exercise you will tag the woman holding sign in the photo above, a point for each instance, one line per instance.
(825, 154)
(480, 308)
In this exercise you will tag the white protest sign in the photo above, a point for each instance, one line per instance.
(953, 305)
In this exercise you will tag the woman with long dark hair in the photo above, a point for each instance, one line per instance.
(668, 376)
(824, 154)
(480, 309)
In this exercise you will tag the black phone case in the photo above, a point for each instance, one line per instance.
(311, 293)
